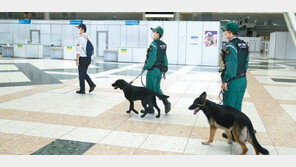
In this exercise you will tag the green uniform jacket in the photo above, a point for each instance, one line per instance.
(236, 88)
(152, 57)
(231, 62)
(153, 76)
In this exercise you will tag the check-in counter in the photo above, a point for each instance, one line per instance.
(131, 54)
(28, 50)
(57, 52)
(7, 51)
(70, 52)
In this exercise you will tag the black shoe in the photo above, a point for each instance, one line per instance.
(80, 91)
(92, 88)
(148, 112)
(167, 106)
(225, 136)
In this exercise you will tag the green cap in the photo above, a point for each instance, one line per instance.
(231, 26)
(158, 29)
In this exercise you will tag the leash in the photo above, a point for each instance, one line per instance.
(221, 99)
(137, 78)
(143, 82)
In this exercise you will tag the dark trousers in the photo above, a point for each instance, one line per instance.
(84, 62)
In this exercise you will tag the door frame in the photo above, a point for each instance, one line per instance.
(98, 43)
(39, 38)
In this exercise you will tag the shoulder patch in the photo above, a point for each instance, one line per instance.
(231, 46)
(153, 45)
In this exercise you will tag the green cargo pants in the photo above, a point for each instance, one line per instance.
(235, 94)
(153, 78)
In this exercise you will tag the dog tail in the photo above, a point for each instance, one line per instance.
(253, 140)
(161, 96)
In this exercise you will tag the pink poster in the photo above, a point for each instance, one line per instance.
(210, 39)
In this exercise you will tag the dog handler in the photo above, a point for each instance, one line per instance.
(234, 81)
(156, 59)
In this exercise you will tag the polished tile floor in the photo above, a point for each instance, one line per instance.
(40, 113)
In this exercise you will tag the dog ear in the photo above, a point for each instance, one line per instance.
(123, 84)
(203, 95)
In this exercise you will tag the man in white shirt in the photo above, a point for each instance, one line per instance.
(83, 61)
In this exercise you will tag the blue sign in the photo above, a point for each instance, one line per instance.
(75, 22)
(24, 21)
(132, 22)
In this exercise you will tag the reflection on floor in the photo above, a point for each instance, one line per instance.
(40, 113)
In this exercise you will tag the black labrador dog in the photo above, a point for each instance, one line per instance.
(134, 93)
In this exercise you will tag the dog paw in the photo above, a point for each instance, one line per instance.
(128, 111)
(157, 116)
(142, 116)
(230, 141)
(136, 112)
(205, 143)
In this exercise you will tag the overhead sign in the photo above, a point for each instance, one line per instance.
(24, 21)
(132, 22)
(75, 22)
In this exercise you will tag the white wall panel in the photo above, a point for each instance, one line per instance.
(16, 33)
(4, 28)
(143, 36)
(281, 39)
(24, 32)
(68, 32)
(122, 35)
(170, 37)
(113, 37)
(272, 45)
(290, 48)
(182, 40)
(132, 36)
(194, 46)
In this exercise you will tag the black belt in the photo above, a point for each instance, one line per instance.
(240, 75)
(155, 66)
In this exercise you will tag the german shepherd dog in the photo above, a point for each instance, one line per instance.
(229, 119)
(134, 93)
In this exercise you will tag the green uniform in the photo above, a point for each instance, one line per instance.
(236, 88)
(153, 76)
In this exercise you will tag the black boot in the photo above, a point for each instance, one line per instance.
(167, 105)
(148, 112)
(80, 92)
(92, 88)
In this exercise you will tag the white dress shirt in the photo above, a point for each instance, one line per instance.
(81, 45)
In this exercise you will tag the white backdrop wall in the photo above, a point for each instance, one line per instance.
(282, 46)
(185, 39)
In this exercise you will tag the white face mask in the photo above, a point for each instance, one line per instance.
(152, 36)
(79, 31)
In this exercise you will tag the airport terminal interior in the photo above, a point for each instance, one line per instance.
(41, 113)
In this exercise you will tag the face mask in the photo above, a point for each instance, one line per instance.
(152, 36)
